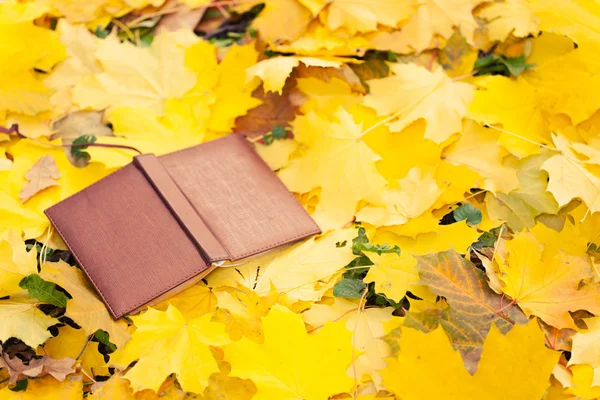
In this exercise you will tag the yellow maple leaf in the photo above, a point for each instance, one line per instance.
(47, 388)
(321, 41)
(294, 364)
(224, 86)
(393, 275)
(14, 216)
(367, 327)
(576, 19)
(70, 343)
(570, 178)
(274, 71)
(522, 116)
(478, 149)
(297, 272)
(85, 308)
(165, 342)
(414, 93)
(21, 90)
(242, 310)
(547, 285)
(325, 97)
(509, 17)
(498, 375)
(192, 302)
(20, 318)
(577, 95)
(81, 61)
(363, 15)
(458, 236)
(114, 388)
(520, 207)
(135, 76)
(341, 164)
(586, 344)
(439, 17)
(416, 194)
(281, 19)
(16, 262)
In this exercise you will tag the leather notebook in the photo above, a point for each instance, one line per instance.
(160, 224)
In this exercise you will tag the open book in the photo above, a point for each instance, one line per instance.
(160, 224)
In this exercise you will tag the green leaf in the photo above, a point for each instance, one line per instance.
(500, 65)
(354, 270)
(20, 386)
(468, 212)
(277, 133)
(43, 290)
(516, 65)
(349, 288)
(101, 33)
(78, 151)
(361, 243)
(104, 338)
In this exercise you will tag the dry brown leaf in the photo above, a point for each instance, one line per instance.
(76, 124)
(41, 175)
(276, 109)
(36, 368)
(183, 18)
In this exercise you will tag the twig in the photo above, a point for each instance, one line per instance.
(14, 128)
(89, 338)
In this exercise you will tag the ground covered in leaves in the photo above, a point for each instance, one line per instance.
(449, 150)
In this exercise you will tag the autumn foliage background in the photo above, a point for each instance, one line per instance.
(449, 150)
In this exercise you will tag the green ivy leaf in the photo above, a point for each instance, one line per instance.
(104, 338)
(349, 288)
(468, 212)
(43, 290)
(361, 243)
(500, 65)
(277, 133)
(79, 151)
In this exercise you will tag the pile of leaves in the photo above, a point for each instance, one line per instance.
(448, 149)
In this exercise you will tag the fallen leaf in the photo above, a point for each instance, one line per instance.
(439, 17)
(473, 306)
(165, 342)
(85, 308)
(478, 149)
(295, 364)
(17, 262)
(275, 110)
(22, 319)
(546, 281)
(509, 17)
(498, 376)
(274, 71)
(298, 272)
(414, 93)
(47, 388)
(77, 124)
(43, 174)
(341, 163)
(135, 76)
(37, 368)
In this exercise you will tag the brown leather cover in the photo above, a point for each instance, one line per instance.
(158, 223)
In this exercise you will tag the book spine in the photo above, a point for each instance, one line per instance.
(209, 246)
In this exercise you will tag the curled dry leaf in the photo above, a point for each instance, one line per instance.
(42, 175)
(37, 367)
